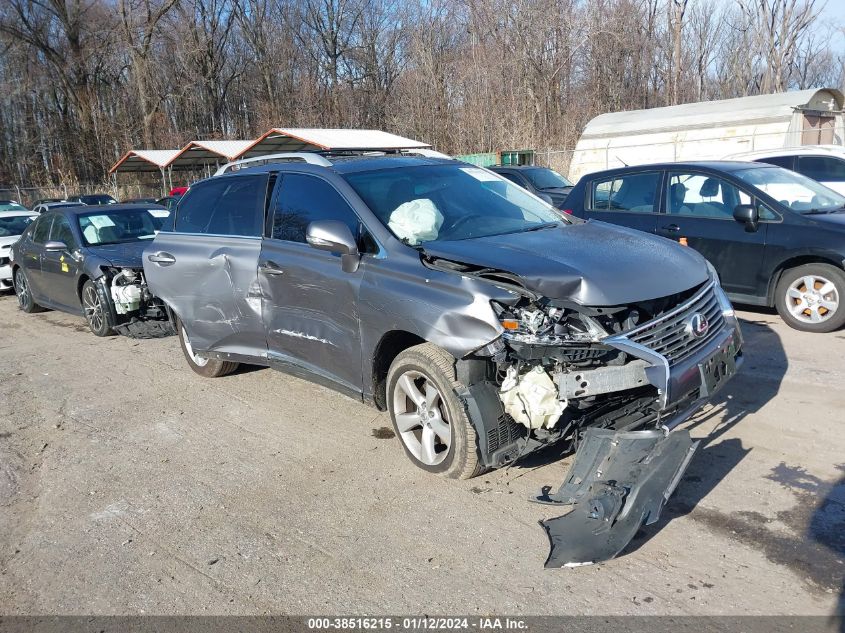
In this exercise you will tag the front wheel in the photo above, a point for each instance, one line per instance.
(24, 293)
(207, 367)
(427, 415)
(97, 312)
(809, 297)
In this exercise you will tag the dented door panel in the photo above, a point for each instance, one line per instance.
(310, 312)
(212, 286)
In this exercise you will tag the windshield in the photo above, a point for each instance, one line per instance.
(792, 190)
(14, 225)
(546, 179)
(449, 202)
(10, 205)
(117, 227)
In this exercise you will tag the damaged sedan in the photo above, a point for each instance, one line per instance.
(87, 261)
(487, 323)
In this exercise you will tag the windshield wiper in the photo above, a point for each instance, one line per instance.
(540, 227)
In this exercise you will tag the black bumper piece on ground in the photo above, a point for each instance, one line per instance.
(619, 481)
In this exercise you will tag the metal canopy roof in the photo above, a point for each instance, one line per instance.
(714, 113)
(200, 153)
(279, 140)
(144, 160)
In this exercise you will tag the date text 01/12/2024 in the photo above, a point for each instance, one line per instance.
(417, 623)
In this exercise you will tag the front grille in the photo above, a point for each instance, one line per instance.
(669, 334)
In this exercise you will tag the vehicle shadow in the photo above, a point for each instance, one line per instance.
(827, 527)
(756, 384)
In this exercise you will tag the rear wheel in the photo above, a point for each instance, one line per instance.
(207, 367)
(96, 309)
(810, 297)
(429, 419)
(24, 293)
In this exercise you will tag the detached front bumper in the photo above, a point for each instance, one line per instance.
(619, 481)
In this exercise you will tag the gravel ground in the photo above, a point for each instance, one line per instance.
(130, 485)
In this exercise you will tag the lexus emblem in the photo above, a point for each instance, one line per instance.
(698, 325)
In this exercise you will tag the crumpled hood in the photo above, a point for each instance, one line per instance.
(126, 255)
(591, 263)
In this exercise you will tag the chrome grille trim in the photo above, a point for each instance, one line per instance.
(666, 335)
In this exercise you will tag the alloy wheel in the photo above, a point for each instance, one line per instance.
(93, 307)
(22, 290)
(812, 299)
(421, 418)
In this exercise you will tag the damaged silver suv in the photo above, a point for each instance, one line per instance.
(487, 323)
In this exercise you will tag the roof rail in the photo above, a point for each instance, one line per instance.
(427, 153)
(308, 157)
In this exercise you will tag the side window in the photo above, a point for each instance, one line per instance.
(61, 232)
(303, 199)
(635, 192)
(787, 162)
(42, 229)
(703, 195)
(224, 206)
(822, 168)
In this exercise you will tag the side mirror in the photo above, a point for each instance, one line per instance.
(748, 215)
(55, 246)
(545, 197)
(335, 237)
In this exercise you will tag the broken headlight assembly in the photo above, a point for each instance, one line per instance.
(540, 343)
(536, 331)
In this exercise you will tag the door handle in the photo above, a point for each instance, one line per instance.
(671, 228)
(270, 268)
(161, 258)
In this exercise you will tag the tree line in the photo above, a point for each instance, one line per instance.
(82, 81)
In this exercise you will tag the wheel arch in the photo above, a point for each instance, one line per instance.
(390, 345)
(794, 262)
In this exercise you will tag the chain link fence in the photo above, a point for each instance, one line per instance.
(28, 195)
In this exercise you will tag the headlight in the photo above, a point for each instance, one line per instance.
(547, 325)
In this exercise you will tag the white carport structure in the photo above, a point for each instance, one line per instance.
(203, 155)
(710, 130)
(278, 140)
(145, 161)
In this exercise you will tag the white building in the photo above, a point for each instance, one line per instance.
(710, 130)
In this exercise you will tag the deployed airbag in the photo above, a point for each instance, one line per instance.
(619, 481)
(416, 221)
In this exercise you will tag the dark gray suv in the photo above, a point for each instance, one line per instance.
(486, 322)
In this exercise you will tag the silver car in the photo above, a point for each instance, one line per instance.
(485, 321)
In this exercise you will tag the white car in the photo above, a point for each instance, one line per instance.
(822, 163)
(12, 224)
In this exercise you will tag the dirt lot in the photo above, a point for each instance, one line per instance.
(130, 485)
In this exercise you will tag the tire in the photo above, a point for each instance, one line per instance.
(823, 304)
(422, 423)
(206, 367)
(24, 293)
(96, 309)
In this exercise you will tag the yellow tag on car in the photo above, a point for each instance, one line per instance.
(65, 268)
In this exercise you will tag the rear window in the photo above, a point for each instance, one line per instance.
(224, 206)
